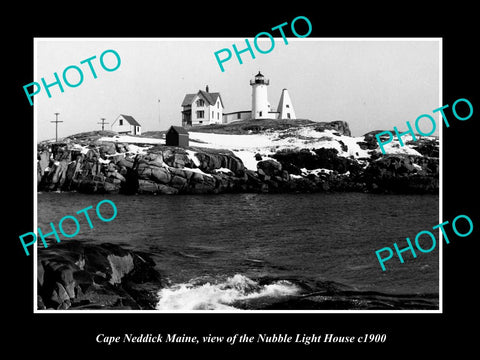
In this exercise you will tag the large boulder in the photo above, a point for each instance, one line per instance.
(58, 174)
(106, 148)
(294, 160)
(160, 175)
(43, 161)
(233, 163)
(269, 168)
(185, 173)
(428, 147)
(174, 156)
(75, 275)
(402, 174)
(126, 162)
(254, 183)
(370, 141)
(150, 187)
(121, 147)
(201, 184)
(178, 182)
(96, 184)
(210, 160)
(339, 126)
(61, 151)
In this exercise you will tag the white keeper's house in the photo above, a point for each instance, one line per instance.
(205, 108)
(202, 108)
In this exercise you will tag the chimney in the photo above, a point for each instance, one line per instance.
(206, 88)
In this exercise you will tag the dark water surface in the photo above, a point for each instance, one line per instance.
(269, 251)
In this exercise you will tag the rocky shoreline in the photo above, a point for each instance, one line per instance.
(106, 167)
(81, 275)
(87, 275)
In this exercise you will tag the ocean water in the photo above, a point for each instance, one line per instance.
(269, 251)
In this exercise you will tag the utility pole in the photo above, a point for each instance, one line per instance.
(159, 126)
(103, 123)
(56, 125)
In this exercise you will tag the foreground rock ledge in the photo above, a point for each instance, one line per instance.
(82, 275)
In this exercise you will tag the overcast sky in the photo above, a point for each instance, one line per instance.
(371, 84)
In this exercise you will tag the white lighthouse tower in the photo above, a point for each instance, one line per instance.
(260, 104)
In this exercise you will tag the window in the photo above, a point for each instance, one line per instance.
(260, 113)
(200, 122)
(218, 105)
(200, 102)
(239, 116)
(120, 122)
(200, 114)
(213, 115)
(218, 116)
(288, 115)
(287, 106)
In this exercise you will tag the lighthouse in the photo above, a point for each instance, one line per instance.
(260, 105)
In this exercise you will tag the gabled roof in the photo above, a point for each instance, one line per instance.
(130, 120)
(188, 99)
(211, 98)
(178, 129)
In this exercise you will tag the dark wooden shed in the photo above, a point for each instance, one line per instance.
(177, 136)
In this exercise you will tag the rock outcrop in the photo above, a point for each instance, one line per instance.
(110, 168)
(98, 166)
(340, 126)
(402, 174)
(294, 161)
(83, 275)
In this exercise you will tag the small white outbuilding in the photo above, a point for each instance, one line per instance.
(126, 124)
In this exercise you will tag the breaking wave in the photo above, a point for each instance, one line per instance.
(223, 294)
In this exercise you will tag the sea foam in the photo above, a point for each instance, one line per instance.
(220, 295)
